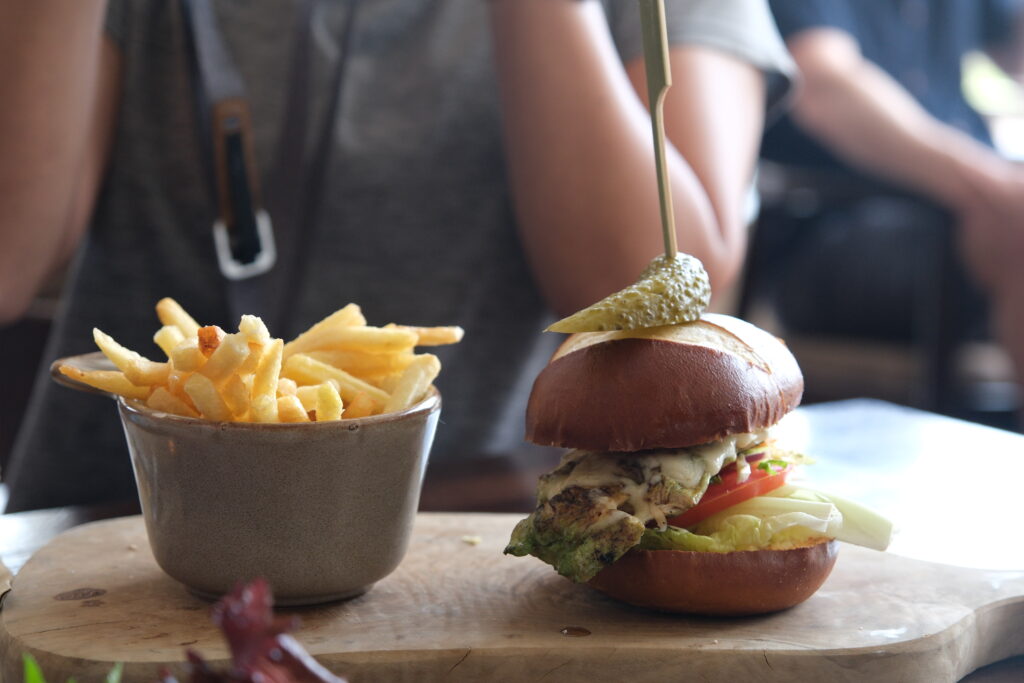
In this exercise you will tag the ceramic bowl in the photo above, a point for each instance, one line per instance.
(321, 510)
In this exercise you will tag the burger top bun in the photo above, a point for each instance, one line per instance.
(663, 387)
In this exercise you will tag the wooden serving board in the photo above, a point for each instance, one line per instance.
(458, 611)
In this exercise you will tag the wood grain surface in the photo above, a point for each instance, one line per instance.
(458, 611)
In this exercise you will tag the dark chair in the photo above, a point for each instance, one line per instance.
(882, 307)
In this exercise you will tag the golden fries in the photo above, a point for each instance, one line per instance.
(176, 385)
(264, 409)
(186, 356)
(170, 312)
(236, 395)
(259, 337)
(374, 339)
(168, 338)
(228, 357)
(317, 336)
(209, 338)
(305, 370)
(361, 406)
(307, 396)
(339, 369)
(286, 387)
(206, 398)
(413, 383)
(111, 381)
(385, 383)
(432, 336)
(362, 364)
(163, 400)
(328, 403)
(252, 361)
(139, 371)
(265, 381)
(289, 409)
(254, 330)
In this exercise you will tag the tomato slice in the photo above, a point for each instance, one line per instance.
(765, 476)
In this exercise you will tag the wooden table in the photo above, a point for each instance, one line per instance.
(922, 470)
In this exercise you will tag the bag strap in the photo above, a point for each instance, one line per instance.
(259, 270)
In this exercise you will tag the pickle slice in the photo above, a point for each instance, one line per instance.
(669, 292)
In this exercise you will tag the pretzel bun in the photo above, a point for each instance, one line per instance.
(718, 584)
(663, 387)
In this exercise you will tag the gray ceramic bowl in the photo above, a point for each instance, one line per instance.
(321, 510)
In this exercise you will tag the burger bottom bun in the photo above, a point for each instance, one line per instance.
(718, 584)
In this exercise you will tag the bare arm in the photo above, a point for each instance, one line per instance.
(714, 117)
(58, 82)
(870, 120)
(578, 143)
(867, 118)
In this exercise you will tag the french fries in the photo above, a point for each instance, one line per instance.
(339, 369)
(209, 338)
(139, 371)
(111, 381)
(361, 406)
(170, 312)
(362, 364)
(228, 357)
(163, 400)
(374, 339)
(237, 396)
(206, 398)
(414, 382)
(319, 335)
(187, 356)
(305, 370)
(176, 386)
(168, 338)
(264, 409)
(265, 381)
(431, 336)
(328, 403)
(307, 396)
(254, 330)
(289, 409)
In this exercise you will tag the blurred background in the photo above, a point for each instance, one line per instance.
(942, 355)
(928, 346)
(948, 366)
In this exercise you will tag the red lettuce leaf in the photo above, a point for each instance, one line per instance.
(261, 649)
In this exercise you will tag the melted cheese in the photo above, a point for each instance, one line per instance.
(616, 480)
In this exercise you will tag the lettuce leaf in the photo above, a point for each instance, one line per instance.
(31, 671)
(860, 525)
(787, 517)
(736, 532)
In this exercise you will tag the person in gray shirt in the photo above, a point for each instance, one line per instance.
(490, 167)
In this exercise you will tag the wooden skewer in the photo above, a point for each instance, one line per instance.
(659, 79)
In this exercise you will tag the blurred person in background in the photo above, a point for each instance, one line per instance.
(486, 163)
(881, 108)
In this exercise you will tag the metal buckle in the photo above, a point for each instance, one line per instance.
(233, 269)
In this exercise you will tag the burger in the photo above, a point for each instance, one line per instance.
(675, 496)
